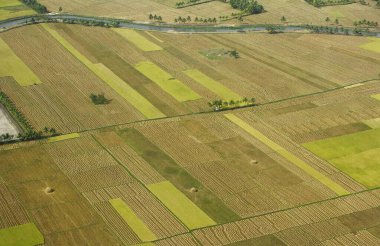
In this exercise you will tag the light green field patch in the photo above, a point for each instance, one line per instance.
(374, 45)
(181, 206)
(169, 84)
(116, 83)
(12, 65)
(21, 235)
(137, 225)
(353, 86)
(151, 34)
(373, 123)
(363, 167)
(138, 40)
(377, 96)
(214, 86)
(63, 137)
(337, 14)
(8, 3)
(287, 155)
(356, 154)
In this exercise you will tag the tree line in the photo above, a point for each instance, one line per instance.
(320, 3)
(28, 132)
(219, 104)
(249, 6)
(34, 4)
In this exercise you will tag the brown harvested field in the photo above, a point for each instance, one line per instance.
(295, 11)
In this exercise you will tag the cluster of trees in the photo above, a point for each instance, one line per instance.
(188, 19)
(234, 54)
(249, 6)
(155, 17)
(92, 22)
(378, 3)
(28, 132)
(335, 30)
(186, 3)
(320, 3)
(365, 22)
(99, 99)
(39, 8)
(219, 104)
(273, 29)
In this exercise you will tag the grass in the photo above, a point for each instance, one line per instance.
(376, 96)
(374, 45)
(13, 8)
(287, 155)
(191, 215)
(8, 3)
(12, 65)
(116, 83)
(373, 123)
(138, 40)
(169, 84)
(169, 169)
(214, 86)
(26, 234)
(63, 137)
(137, 225)
(355, 154)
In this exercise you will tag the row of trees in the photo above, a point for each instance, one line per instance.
(39, 8)
(249, 6)
(320, 3)
(335, 30)
(28, 132)
(155, 17)
(188, 19)
(365, 22)
(219, 104)
(186, 3)
(92, 22)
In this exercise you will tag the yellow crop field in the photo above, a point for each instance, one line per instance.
(169, 84)
(376, 96)
(138, 40)
(63, 137)
(374, 45)
(153, 36)
(116, 83)
(12, 65)
(222, 91)
(138, 226)
(191, 215)
(26, 234)
(289, 156)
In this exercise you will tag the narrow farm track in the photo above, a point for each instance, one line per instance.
(28, 20)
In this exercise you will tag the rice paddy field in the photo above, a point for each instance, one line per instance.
(155, 165)
(295, 11)
(14, 8)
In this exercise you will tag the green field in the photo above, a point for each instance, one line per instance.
(137, 225)
(169, 84)
(214, 86)
(355, 154)
(63, 137)
(373, 123)
(191, 215)
(374, 45)
(26, 234)
(13, 8)
(116, 83)
(12, 65)
(376, 96)
(138, 40)
(287, 155)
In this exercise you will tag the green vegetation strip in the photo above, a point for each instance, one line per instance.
(168, 168)
(116, 83)
(191, 215)
(214, 86)
(137, 225)
(138, 40)
(63, 137)
(373, 123)
(26, 234)
(12, 65)
(374, 45)
(287, 155)
(169, 84)
(356, 154)
(376, 96)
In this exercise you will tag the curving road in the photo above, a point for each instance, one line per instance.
(27, 20)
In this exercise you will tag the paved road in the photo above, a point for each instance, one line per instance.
(6, 24)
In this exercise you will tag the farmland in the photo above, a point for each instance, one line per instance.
(13, 8)
(168, 138)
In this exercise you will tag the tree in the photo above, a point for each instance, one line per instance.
(188, 18)
(283, 19)
(99, 99)
(150, 16)
(327, 19)
(60, 9)
(336, 21)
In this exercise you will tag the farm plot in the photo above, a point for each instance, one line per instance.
(14, 8)
(138, 40)
(355, 154)
(374, 45)
(27, 234)
(11, 65)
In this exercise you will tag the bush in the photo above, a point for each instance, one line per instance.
(99, 99)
